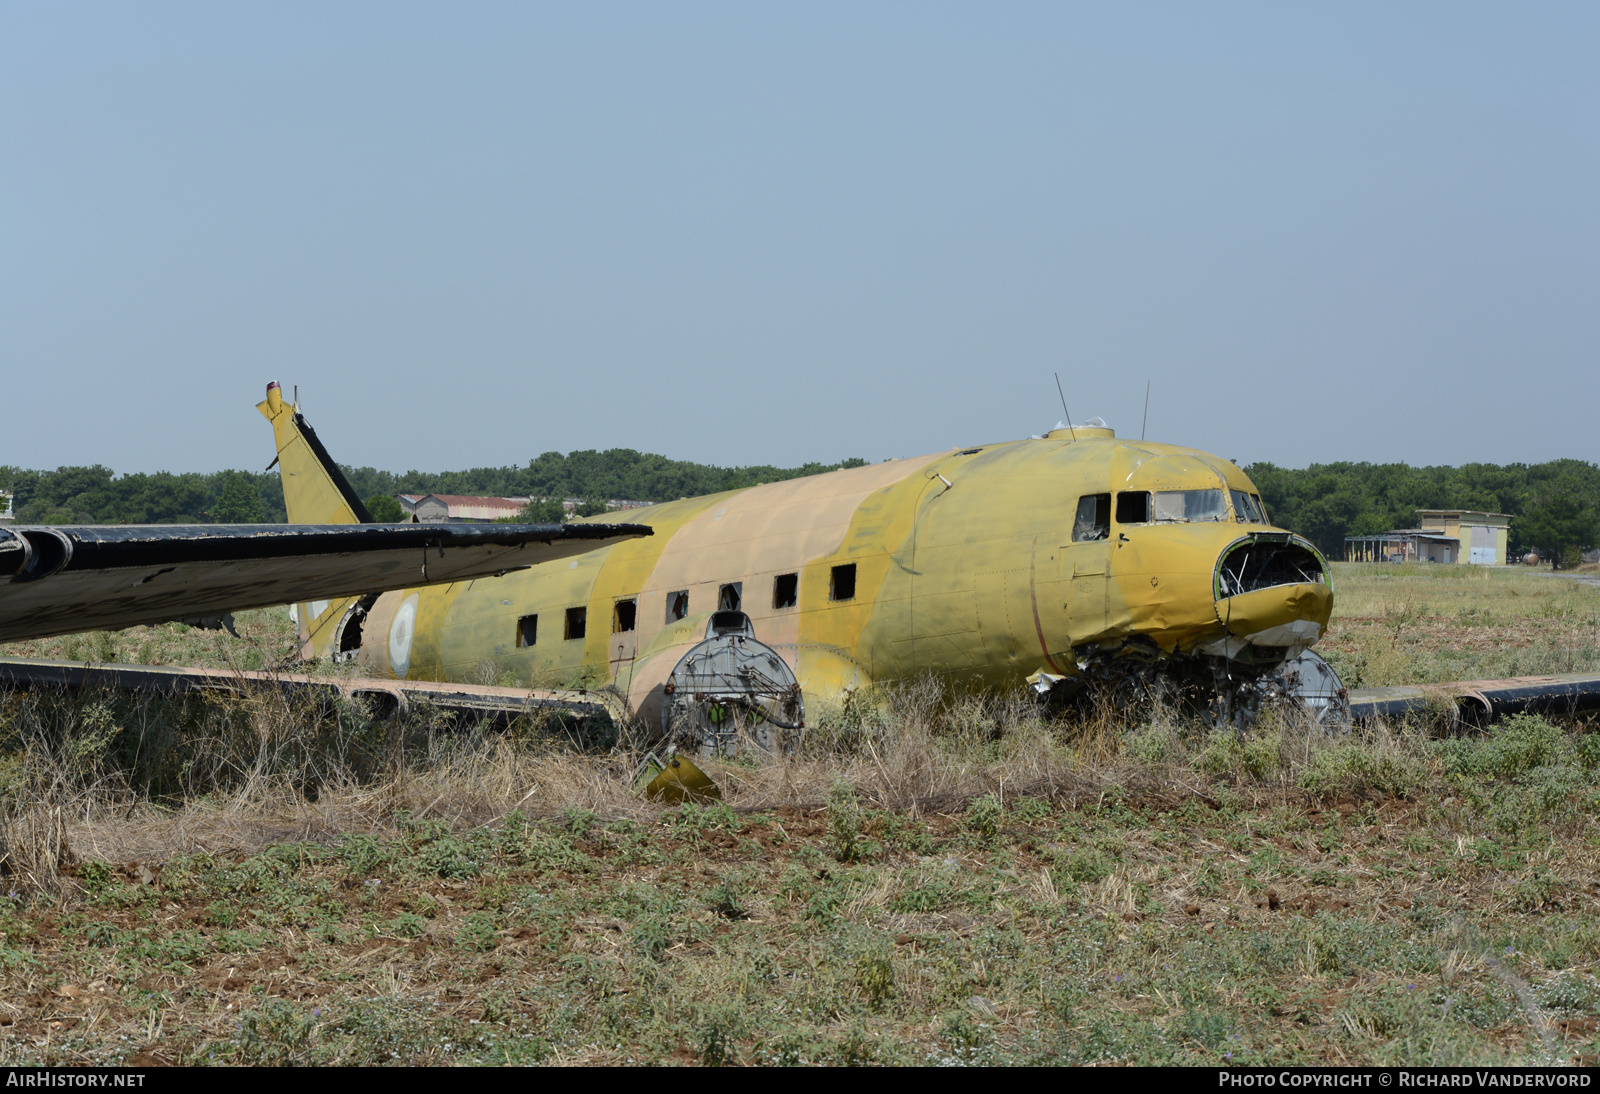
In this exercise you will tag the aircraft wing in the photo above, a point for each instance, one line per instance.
(63, 580)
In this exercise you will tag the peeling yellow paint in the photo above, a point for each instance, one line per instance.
(964, 564)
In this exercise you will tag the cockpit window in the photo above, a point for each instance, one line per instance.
(1133, 507)
(1094, 518)
(1246, 510)
(1191, 505)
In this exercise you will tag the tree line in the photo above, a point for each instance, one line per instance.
(96, 495)
(619, 473)
(1555, 506)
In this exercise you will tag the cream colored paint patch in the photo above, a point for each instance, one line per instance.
(758, 534)
(373, 657)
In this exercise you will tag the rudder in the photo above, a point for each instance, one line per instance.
(315, 491)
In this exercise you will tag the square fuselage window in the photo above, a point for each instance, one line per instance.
(730, 597)
(677, 605)
(1133, 507)
(625, 616)
(1094, 518)
(577, 622)
(527, 630)
(842, 585)
(785, 590)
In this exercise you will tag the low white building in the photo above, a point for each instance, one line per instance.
(480, 509)
(458, 508)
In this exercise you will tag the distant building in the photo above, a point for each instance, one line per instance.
(476, 509)
(458, 508)
(1482, 536)
(1446, 535)
(1401, 545)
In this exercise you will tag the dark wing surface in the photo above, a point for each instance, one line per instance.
(62, 580)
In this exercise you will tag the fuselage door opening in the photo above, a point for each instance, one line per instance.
(1085, 562)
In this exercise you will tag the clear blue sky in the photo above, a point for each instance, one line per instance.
(774, 233)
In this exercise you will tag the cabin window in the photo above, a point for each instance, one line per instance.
(729, 596)
(1133, 507)
(785, 590)
(677, 605)
(1261, 507)
(1094, 518)
(625, 616)
(527, 630)
(842, 586)
(577, 622)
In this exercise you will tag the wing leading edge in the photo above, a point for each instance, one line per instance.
(63, 580)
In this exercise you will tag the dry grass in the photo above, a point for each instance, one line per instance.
(934, 878)
(1420, 624)
(266, 638)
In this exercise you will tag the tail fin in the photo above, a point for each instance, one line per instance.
(315, 491)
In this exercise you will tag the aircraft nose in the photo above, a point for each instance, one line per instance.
(1273, 591)
(1286, 607)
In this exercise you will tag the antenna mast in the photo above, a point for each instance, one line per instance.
(1146, 420)
(1064, 409)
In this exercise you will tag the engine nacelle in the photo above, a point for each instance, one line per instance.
(731, 690)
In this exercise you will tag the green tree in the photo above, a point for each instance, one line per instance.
(591, 507)
(1559, 521)
(238, 502)
(385, 509)
(547, 511)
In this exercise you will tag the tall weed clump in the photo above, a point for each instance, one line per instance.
(103, 748)
(918, 741)
(1522, 773)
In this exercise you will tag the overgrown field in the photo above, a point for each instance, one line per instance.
(1420, 624)
(266, 638)
(935, 879)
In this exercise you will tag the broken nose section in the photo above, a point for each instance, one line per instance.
(1281, 621)
(1273, 598)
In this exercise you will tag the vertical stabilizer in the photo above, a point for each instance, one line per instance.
(315, 491)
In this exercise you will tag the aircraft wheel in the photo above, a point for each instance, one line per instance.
(1310, 683)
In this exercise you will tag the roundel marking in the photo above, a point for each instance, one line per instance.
(401, 631)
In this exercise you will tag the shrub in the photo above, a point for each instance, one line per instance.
(276, 1032)
(1261, 755)
(1086, 867)
(875, 976)
(1355, 768)
(844, 822)
(1516, 745)
(983, 816)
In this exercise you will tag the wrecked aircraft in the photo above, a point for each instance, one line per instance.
(1067, 560)
(1064, 560)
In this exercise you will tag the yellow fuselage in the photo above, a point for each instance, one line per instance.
(962, 563)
